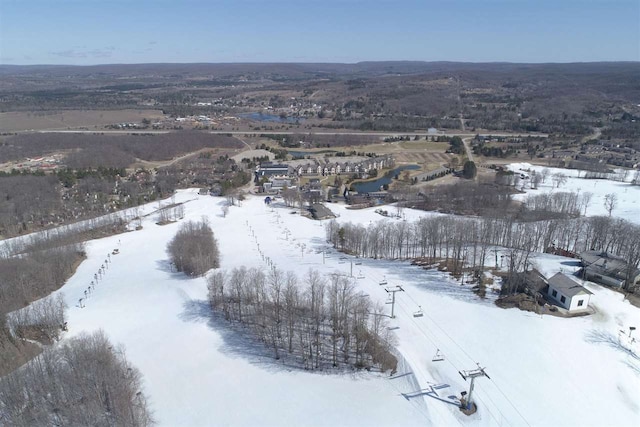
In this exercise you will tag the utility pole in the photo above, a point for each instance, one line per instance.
(393, 291)
(495, 251)
(351, 271)
(466, 403)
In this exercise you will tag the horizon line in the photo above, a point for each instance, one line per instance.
(323, 63)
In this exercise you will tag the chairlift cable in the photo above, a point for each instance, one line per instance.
(401, 307)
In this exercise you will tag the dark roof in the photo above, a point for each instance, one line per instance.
(266, 165)
(566, 285)
(534, 280)
(319, 211)
(606, 264)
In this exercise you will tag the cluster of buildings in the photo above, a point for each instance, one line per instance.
(607, 269)
(597, 266)
(49, 163)
(276, 176)
(346, 166)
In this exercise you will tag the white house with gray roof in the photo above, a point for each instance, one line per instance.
(568, 293)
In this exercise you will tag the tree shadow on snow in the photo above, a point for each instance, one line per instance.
(602, 337)
(167, 266)
(401, 272)
(240, 342)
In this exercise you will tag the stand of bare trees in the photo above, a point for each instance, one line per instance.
(322, 324)
(43, 320)
(194, 249)
(458, 239)
(33, 275)
(494, 200)
(83, 382)
(170, 213)
(554, 205)
(24, 278)
(68, 235)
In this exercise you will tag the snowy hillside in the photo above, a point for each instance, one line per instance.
(628, 205)
(544, 371)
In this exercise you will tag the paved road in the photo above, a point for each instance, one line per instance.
(290, 132)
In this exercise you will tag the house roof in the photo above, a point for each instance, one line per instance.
(534, 280)
(273, 166)
(606, 264)
(566, 285)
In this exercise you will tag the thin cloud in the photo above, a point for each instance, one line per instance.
(106, 52)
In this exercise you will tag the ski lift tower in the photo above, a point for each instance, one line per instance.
(393, 291)
(466, 404)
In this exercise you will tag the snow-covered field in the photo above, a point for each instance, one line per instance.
(544, 370)
(628, 206)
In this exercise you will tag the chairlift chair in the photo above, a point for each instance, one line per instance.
(418, 313)
(439, 357)
(360, 275)
(384, 282)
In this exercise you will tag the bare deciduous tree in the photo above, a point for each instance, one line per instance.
(544, 174)
(83, 382)
(559, 179)
(610, 202)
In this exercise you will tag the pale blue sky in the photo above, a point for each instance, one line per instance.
(84, 32)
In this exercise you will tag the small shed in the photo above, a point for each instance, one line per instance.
(568, 293)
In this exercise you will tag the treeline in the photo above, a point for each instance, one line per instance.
(493, 200)
(322, 324)
(30, 270)
(36, 202)
(563, 204)
(116, 148)
(32, 267)
(41, 321)
(467, 198)
(74, 194)
(67, 235)
(446, 237)
(33, 275)
(80, 383)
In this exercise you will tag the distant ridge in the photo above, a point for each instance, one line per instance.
(370, 68)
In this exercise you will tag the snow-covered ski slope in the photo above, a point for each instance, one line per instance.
(544, 371)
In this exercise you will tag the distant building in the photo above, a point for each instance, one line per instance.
(607, 269)
(568, 293)
(319, 211)
(268, 169)
(277, 183)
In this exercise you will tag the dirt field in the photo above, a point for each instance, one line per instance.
(429, 155)
(72, 119)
